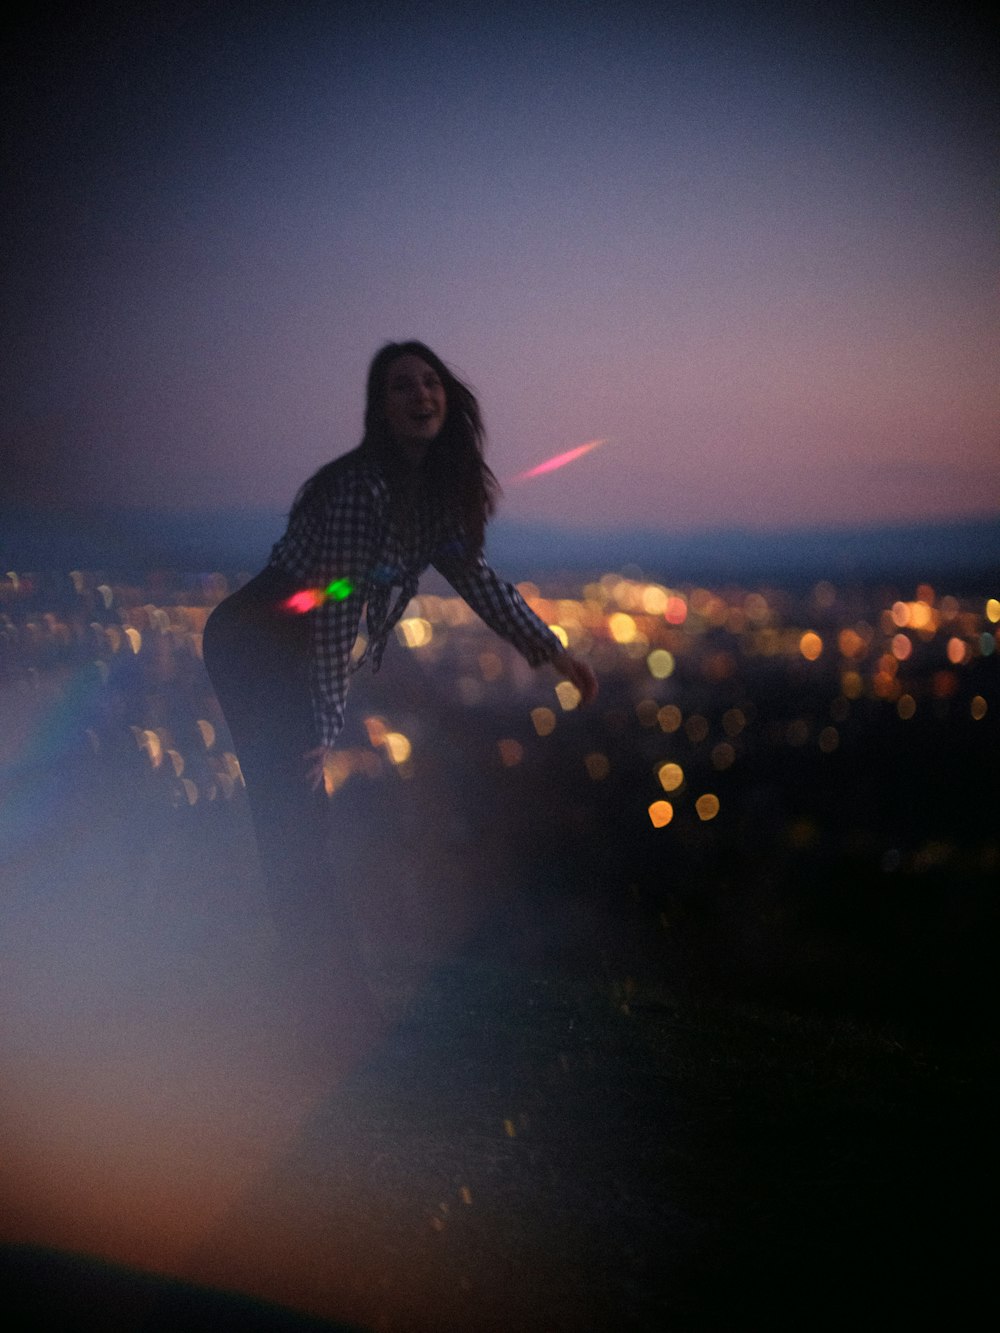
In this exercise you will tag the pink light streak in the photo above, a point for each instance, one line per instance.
(559, 460)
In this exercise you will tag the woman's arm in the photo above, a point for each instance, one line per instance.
(506, 612)
(578, 671)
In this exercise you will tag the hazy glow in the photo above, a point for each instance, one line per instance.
(906, 706)
(978, 707)
(309, 598)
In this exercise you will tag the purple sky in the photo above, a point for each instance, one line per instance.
(758, 255)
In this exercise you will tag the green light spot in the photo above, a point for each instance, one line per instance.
(339, 589)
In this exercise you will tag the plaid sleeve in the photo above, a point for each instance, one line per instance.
(333, 542)
(498, 603)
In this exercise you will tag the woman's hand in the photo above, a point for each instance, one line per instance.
(316, 761)
(578, 672)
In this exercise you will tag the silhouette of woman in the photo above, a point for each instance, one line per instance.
(415, 492)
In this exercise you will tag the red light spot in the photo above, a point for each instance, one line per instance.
(307, 600)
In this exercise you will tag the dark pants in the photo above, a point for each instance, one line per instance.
(257, 657)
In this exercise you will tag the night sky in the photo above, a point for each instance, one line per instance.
(757, 254)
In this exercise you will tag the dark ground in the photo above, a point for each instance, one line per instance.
(584, 1130)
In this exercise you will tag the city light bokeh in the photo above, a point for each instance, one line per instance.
(114, 660)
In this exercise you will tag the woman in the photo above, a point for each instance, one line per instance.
(415, 492)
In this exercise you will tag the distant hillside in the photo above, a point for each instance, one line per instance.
(134, 540)
(130, 539)
(857, 554)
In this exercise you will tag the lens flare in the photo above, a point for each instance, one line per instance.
(559, 460)
(306, 600)
(309, 598)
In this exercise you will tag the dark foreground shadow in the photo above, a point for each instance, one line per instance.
(54, 1292)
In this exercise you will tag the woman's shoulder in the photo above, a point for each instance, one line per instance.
(348, 478)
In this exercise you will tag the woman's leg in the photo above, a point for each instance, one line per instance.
(257, 658)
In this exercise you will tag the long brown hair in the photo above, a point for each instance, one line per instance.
(454, 471)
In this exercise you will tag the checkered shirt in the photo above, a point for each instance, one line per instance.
(351, 533)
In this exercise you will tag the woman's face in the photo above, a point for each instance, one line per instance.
(415, 402)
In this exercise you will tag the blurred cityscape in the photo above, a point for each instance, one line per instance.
(754, 742)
